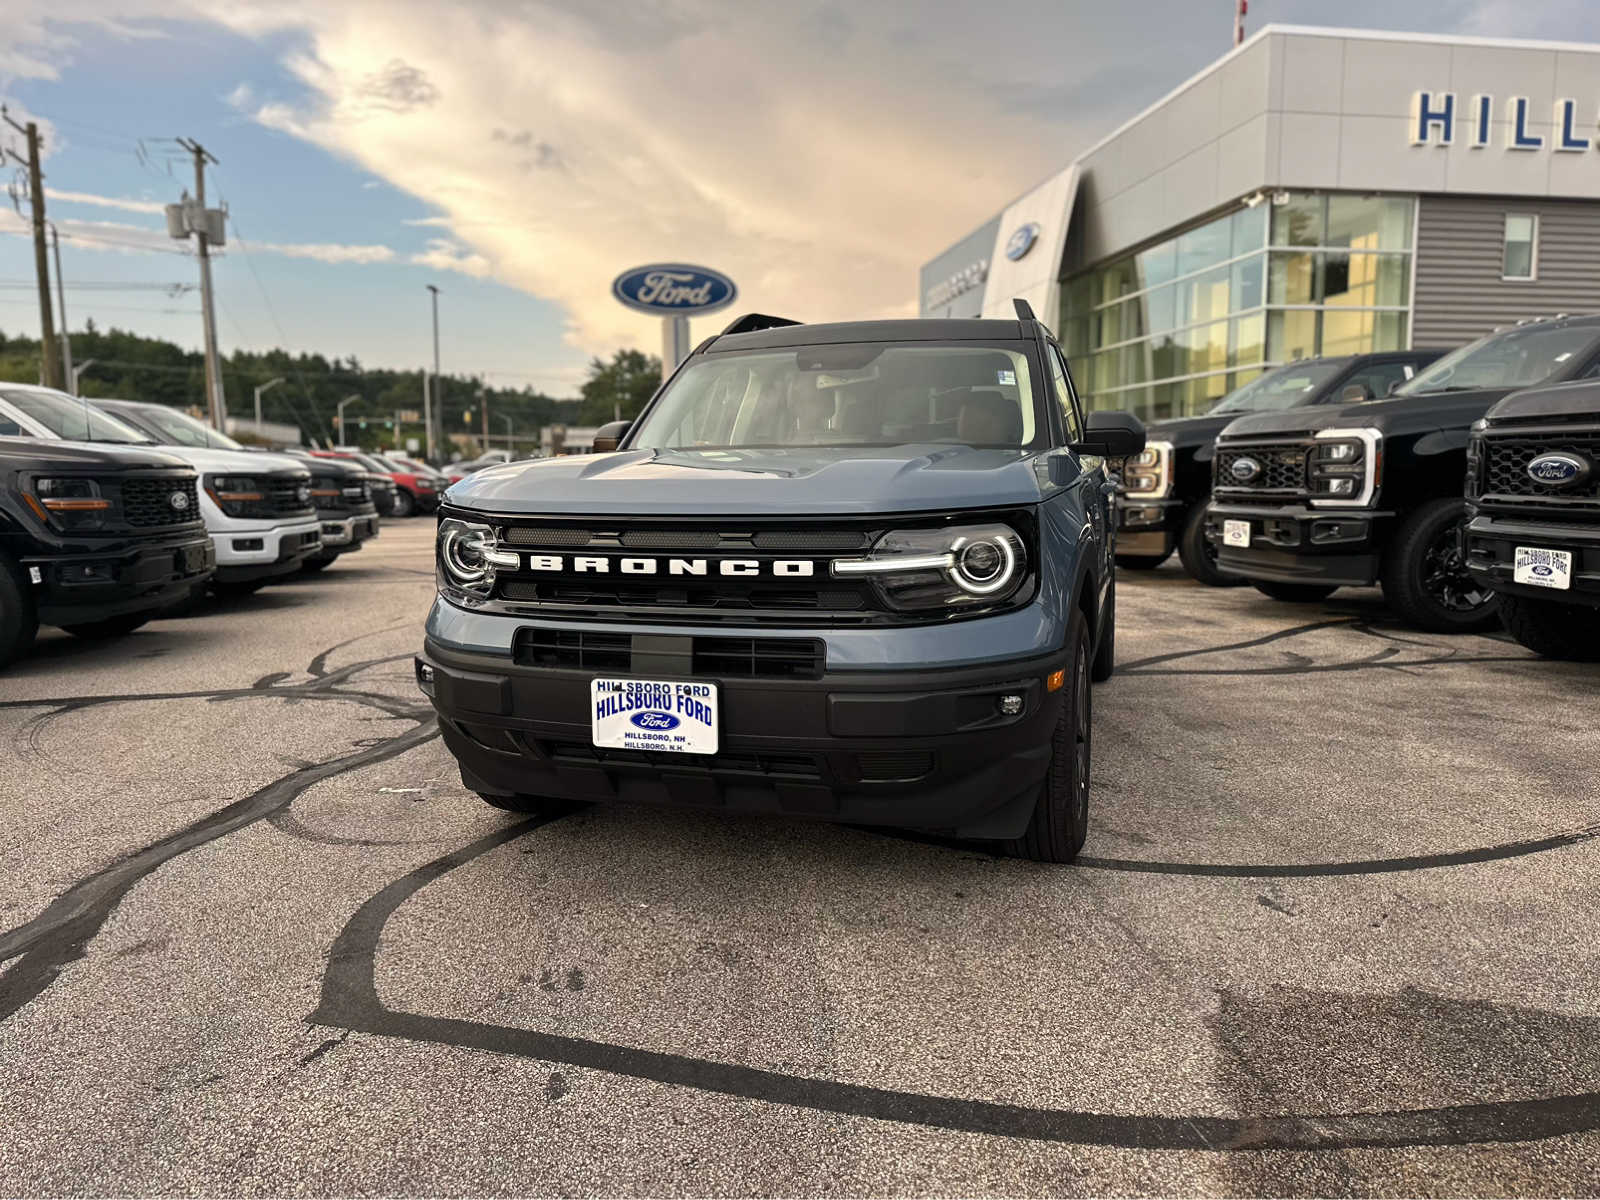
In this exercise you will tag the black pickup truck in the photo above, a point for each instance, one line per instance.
(1533, 486)
(1311, 500)
(1165, 490)
(95, 540)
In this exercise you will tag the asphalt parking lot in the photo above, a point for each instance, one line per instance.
(1335, 932)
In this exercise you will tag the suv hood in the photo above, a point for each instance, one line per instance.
(1580, 398)
(242, 461)
(29, 453)
(1183, 432)
(799, 481)
(1402, 414)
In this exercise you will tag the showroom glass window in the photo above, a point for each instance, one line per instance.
(1172, 328)
(1521, 246)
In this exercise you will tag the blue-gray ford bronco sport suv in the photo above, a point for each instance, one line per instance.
(856, 571)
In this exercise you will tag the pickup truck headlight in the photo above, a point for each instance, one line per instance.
(1148, 474)
(75, 504)
(468, 554)
(961, 566)
(234, 494)
(1346, 467)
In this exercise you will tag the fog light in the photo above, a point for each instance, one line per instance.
(1010, 704)
(425, 677)
(249, 544)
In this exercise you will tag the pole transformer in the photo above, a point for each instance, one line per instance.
(49, 367)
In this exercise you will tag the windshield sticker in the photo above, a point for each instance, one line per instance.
(1006, 378)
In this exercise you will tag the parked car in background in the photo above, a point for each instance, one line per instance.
(1166, 489)
(1533, 490)
(415, 491)
(457, 471)
(96, 539)
(257, 507)
(1313, 499)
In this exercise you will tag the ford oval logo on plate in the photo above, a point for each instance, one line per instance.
(1020, 242)
(1245, 469)
(674, 289)
(654, 720)
(1559, 469)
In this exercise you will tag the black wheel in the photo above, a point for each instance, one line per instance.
(1294, 593)
(312, 565)
(18, 619)
(109, 628)
(1198, 555)
(1425, 577)
(1105, 655)
(1129, 563)
(404, 503)
(1060, 822)
(1552, 629)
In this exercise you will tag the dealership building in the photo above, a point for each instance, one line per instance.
(1313, 192)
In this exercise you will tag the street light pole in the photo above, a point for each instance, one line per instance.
(61, 301)
(77, 374)
(265, 387)
(509, 429)
(431, 394)
(342, 403)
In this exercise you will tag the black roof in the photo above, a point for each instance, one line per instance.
(872, 331)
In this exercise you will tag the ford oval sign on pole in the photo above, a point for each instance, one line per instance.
(674, 292)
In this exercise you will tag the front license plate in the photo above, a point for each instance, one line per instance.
(654, 714)
(1236, 533)
(1542, 568)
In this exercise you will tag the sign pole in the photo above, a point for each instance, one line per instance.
(674, 343)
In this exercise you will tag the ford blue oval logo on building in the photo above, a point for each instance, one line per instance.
(1020, 242)
(654, 720)
(1559, 469)
(1244, 469)
(674, 290)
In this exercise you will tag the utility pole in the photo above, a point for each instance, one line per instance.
(67, 375)
(429, 395)
(483, 402)
(1240, 8)
(49, 369)
(216, 402)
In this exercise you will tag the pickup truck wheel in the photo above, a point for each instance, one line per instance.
(1060, 822)
(1198, 555)
(1551, 629)
(1294, 593)
(109, 628)
(1425, 578)
(1129, 563)
(404, 503)
(1105, 655)
(18, 620)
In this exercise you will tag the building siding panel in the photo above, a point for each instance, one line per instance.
(1459, 292)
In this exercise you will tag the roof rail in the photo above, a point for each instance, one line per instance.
(751, 322)
(1024, 310)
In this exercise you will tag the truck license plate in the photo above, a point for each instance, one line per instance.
(1236, 533)
(1542, 568)
(653, 714)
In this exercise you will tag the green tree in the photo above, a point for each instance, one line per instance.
(624, 384)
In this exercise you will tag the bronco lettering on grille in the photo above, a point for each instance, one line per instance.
(792, 568)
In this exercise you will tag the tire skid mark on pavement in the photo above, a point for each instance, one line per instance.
(350, 1001)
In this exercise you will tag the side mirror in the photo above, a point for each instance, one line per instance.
(1111, 435)
(1354, 393)
(609, 434)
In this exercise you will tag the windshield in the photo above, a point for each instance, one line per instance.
(1514, 358)
(74, 419)
(180, 429)
(1286, 387)
(860, 394)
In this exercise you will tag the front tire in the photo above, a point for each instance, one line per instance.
(1060, 822)
(1570, 632)
(1130, 563)
(1197, 554)
(1105, 655)
(109, 628)
(19, 620)
(1294, 593)
(1425, 577)
(404, 503)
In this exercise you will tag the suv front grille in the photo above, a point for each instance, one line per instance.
(1283, 470)
(725, 657)
(575, 648)
(147, 503)
(1502, 473)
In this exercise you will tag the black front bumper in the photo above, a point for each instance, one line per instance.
(85, 586)
(1299, 544)
(1148, 528)
(1491, 546)
(914, 749)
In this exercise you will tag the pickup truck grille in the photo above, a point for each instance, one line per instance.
(1500, 475)
(1282, 470)
(147, 503)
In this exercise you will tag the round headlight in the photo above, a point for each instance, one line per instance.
(983, 565)
(461, 550)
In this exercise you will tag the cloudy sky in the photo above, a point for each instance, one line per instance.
(520, 154)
